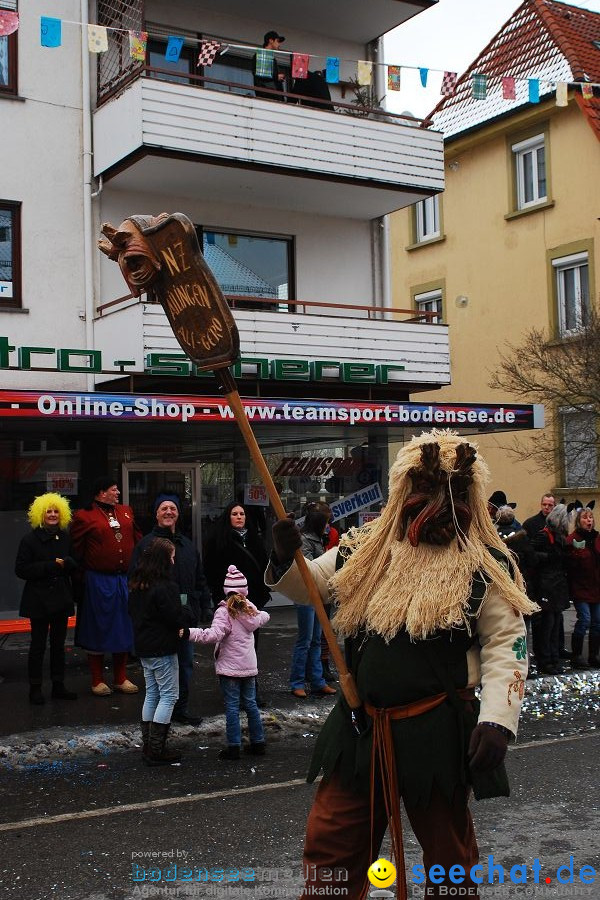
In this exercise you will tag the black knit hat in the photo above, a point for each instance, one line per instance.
(172, 498)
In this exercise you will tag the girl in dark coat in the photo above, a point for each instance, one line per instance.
(157, 615)
(583, 567)
(235, 542)
(551, 587)
(45, 562)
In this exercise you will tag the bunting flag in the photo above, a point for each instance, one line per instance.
(300, 65)
(562, 93)
(364, 72)
(393, 79)
(479, 87)
(424, 74)
(534, 90)
(587, 91)
(449, 84)
(50, 31)
(264, 63)
(509, 91)
(97, 39)
(9, 22)
(137, 45)
(174, 48)
(208, 52)
(332, 70)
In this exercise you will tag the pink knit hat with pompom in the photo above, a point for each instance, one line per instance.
(235, 582)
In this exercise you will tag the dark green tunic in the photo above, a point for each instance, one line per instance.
(429, 748)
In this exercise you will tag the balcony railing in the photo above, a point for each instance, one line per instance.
(297, 307)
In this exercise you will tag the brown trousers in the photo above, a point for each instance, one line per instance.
(338, 837)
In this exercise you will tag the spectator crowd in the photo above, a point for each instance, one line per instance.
(146, 596)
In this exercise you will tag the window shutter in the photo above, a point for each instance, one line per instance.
(9, 4)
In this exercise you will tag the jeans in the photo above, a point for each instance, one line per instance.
(161, 674)
(57, 625)
(306, 657)
(185, 657)
(588, 617)
(241, 692)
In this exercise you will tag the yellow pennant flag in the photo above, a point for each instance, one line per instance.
(97, 39)
(364, 72)
(561, 93)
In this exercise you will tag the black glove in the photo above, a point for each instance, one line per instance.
(286, 540)
(487, 747)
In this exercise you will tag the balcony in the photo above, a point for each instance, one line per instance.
(416, 351)
(153, 135)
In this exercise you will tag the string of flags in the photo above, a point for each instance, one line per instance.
(209, 50)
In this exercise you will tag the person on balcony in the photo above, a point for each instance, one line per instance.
(265, 69)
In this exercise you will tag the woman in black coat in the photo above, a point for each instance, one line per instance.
(551, 587)
(235, 542)
(45, 562)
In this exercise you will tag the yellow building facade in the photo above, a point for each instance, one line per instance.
(492, 262)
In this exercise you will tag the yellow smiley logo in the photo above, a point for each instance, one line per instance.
(381, 873)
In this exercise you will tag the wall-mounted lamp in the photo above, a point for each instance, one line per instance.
(454, 165)
(462, 301)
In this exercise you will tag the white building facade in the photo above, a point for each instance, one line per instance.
(289, 198)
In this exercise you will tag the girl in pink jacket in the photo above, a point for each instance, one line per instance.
(234, 622)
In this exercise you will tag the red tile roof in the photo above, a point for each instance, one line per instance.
(543, 39)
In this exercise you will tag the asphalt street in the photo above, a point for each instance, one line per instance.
(83, 819)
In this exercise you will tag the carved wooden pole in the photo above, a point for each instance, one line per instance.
(161, 256)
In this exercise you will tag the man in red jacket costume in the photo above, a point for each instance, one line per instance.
(104, 535)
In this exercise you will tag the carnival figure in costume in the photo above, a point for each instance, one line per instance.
(430, 605)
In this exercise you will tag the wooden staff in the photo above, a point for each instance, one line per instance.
(161, 256)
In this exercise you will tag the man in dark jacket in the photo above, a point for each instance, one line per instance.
(188, 574)
(535, 523)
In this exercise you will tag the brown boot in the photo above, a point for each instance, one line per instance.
(158, 755)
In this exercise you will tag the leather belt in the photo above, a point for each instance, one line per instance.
(417, 708)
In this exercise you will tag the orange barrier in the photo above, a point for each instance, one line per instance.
(19, 626)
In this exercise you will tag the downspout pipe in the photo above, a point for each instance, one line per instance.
(86, 131)
(384, 221)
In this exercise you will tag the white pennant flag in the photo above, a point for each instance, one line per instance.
(561, 93)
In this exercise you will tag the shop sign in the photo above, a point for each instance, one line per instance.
(255, 495)
(354, 502)
(317, 466)
(71, 406)
(365, 517)
(62, 483)
(69, 359)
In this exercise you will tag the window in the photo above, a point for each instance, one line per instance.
(250, 265)
(572, 292)
(186, 64)
(530, 171)
(10, 256)
(431, 302)
(8, 54)
(580, 442)
(427, 219)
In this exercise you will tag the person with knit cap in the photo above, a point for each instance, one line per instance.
(232, 630)
(104, 535)
(45, 561)
(430, 605)
(188, 575)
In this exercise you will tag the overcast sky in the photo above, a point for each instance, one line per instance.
(448, 36)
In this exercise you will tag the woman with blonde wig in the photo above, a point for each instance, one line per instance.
(45, 563)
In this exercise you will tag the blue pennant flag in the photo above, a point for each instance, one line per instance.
(332, 70)
(534, 90)
(174, 47)
(424, 73)
(50, 31)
